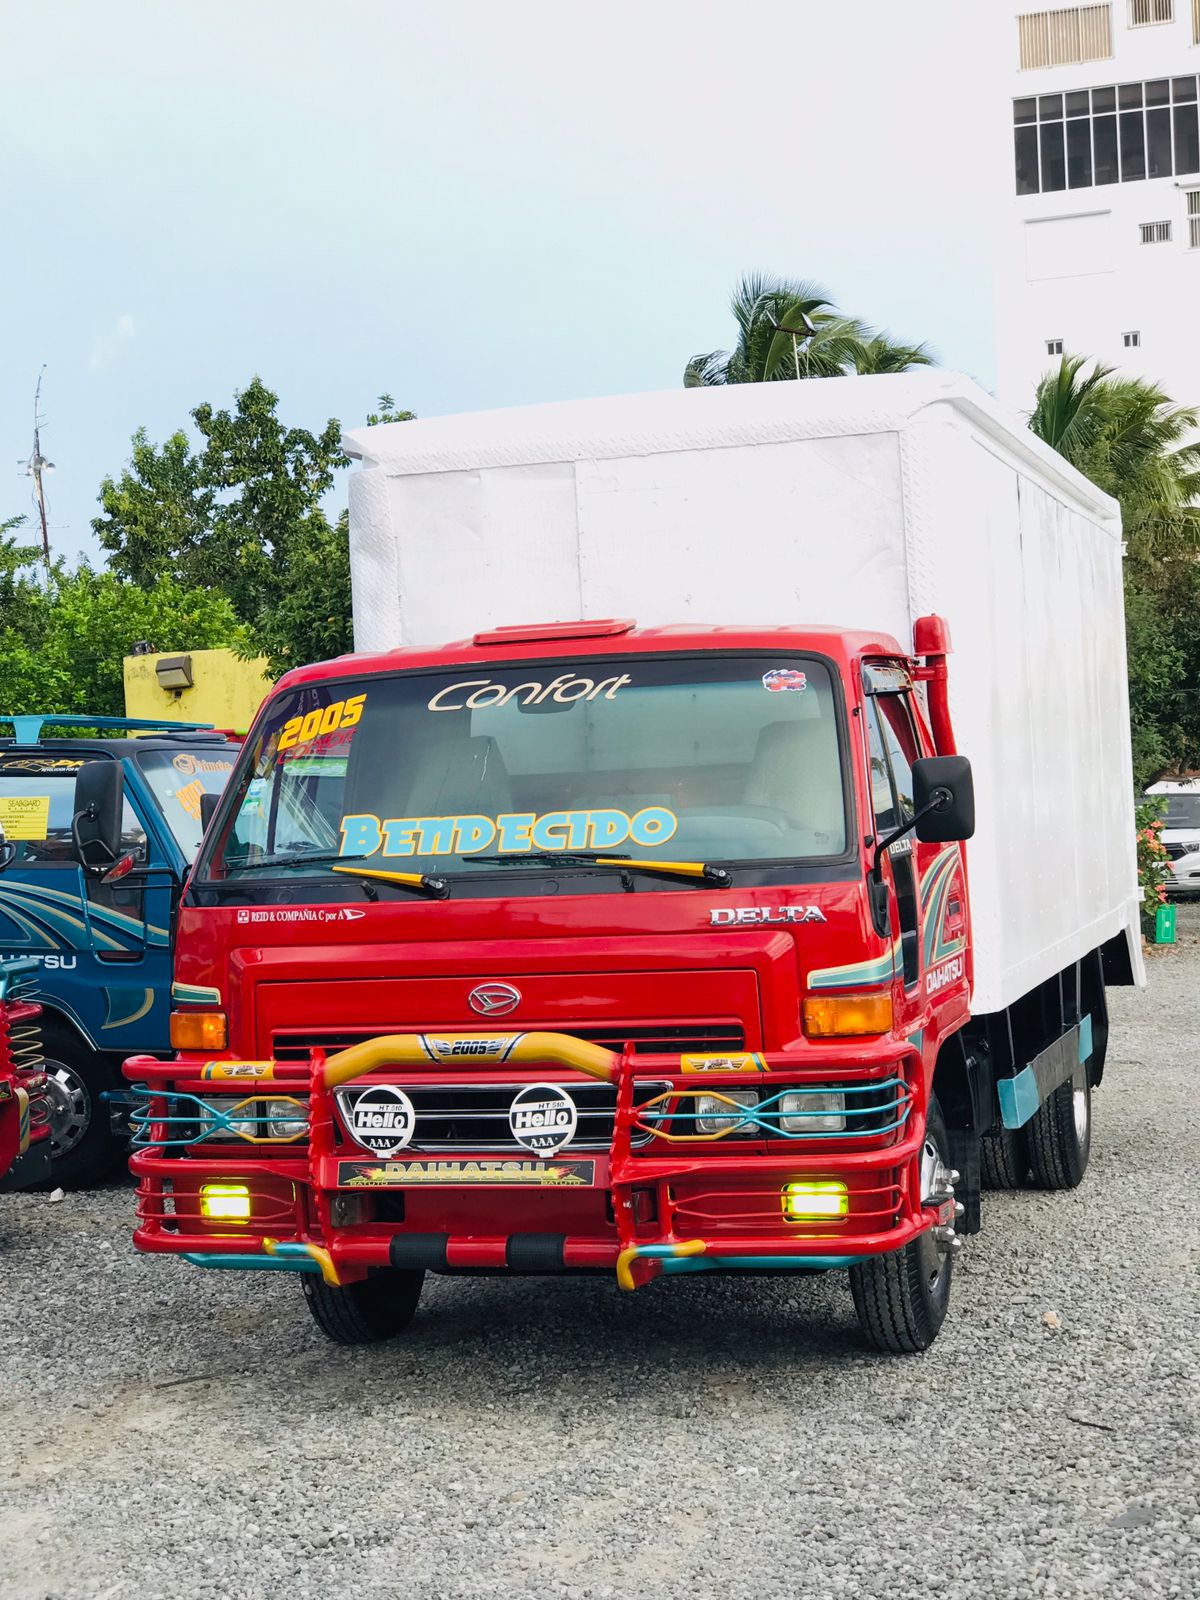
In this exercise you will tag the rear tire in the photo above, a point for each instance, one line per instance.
(902, 1298)
(1059, 1134)
(377, 1307)
(83, 1151)
(1003, 1158)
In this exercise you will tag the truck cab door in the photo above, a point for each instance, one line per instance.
(929, 906)
(890, 738)
(129, 920)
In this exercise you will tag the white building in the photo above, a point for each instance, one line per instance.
(1100, 252)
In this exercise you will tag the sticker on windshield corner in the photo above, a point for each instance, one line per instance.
(782, 679)
(543, 1118)
(381, 1119)
(25, 816)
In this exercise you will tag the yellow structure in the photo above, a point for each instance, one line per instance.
(197, 686)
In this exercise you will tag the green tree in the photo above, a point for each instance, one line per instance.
(62, 646)
(788, 328)
(1128, 437)
(387, 412)
(242, 513)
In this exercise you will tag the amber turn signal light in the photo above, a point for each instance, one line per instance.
(198, 1030)
(840, 1015)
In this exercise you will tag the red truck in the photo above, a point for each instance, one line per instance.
(590, 947)
(24, 1100)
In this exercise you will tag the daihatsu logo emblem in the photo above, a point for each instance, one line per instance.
(494, 999)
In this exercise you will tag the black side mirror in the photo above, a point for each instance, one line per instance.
(99, 802)
(943, 799)
(208, 809)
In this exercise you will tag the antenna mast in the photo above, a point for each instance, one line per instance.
(36, 467)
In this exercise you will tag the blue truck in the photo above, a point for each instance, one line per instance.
(102, 931)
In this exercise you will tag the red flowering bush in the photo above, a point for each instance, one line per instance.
(1153, 863)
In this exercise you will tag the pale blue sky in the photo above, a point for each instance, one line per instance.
(466, 204)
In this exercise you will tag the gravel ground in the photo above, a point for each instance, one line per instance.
(169, 1433)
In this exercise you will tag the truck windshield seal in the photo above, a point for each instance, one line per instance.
(718, 759)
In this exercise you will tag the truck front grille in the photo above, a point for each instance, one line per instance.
(474, 1116)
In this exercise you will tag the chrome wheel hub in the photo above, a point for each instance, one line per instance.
(1080, 1107)
(937, 1189)
(70, 1108)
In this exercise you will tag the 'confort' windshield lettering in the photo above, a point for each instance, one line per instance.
(516, 832)
(487, 692)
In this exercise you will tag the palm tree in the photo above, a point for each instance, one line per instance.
(788, 328)
(1129, 439)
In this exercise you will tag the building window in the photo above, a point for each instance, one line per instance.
(1131, 341)
(1192, 196)
(1116, 134)
(1155, 232)
(1145, 13)
(1054, 347)
(1054, 38)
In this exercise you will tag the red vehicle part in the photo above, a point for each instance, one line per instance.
(24, 1106)
(662, 1204)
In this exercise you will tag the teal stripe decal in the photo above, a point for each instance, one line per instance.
(681, 1264)
(252, 1263)
(195, 994)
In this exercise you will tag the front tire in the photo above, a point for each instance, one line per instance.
(1059, 1134)
(902, 1298)
(83, 1151)
(377, 1307)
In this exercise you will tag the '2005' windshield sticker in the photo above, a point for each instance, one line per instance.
(783, 679)
(515, 833)
(324, 719)
(472, 694)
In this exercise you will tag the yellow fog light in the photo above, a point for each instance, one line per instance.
(225, 1202)
(815, 1201)
(831, 1016)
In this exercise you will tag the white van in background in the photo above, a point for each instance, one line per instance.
(1179, 804)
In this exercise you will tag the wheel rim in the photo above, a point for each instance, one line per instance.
(935, 1176)
(70, 1108)
(1081, 1104)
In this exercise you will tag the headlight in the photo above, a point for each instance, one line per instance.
(255, 1119)
(812, 1111)
(224, 1130)
(282, 1119)
(715, 1115)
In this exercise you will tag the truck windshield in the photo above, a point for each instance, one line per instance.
(178, 778)
(712, 758)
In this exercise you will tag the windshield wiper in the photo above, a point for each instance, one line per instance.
(296, 858)
(417, 882)
(698, 871)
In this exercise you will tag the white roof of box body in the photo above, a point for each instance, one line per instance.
(853, 502)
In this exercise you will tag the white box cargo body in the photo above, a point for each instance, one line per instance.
(853, 502)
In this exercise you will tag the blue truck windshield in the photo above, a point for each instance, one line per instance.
(177, 779)
(715, 758)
